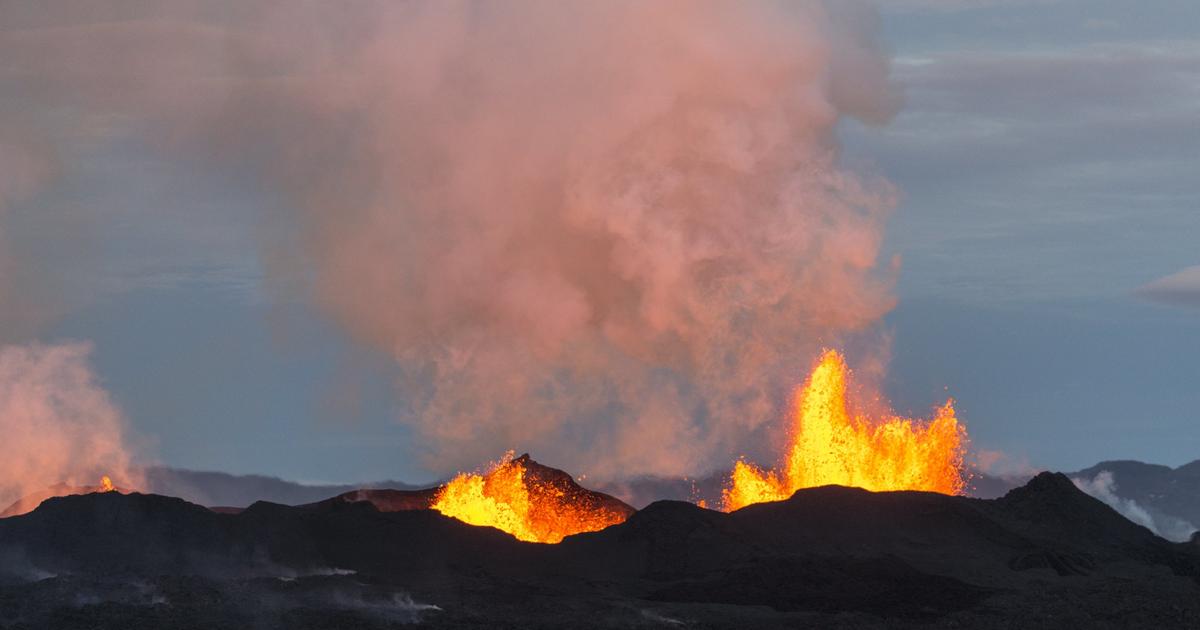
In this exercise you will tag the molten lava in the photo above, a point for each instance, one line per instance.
(508, 498)
(106, 484)
(831, 446)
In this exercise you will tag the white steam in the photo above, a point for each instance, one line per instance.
(1104, 487)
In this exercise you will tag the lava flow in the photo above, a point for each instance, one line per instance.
(831, 446)
(106, 484)
(538, 507)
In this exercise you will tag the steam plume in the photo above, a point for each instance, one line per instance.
(612, 232)
(58, 425)
(592, 230)
(1104, 487)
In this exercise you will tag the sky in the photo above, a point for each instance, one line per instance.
(1044, 152)
(1043, 157)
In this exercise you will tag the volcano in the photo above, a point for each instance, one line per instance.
(31, 501)
(1044, 555)
(533, 502)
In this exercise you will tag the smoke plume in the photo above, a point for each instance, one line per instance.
(615, 233)
(1104, 487)
(59, 425)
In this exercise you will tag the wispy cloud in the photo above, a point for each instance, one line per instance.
(1043, 173)
(1181, 287)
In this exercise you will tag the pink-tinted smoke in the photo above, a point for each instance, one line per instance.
(610, 233)
(58, 425)
(607, 232)
(58, 428)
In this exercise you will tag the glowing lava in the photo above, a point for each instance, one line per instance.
(106, 484)
(830, 446)
(508, 498)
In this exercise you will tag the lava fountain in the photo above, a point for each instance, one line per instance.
(829, 445)
(531, 504)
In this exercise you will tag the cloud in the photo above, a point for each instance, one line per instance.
(1045, 113)
(1181, 288)
(1040, 174)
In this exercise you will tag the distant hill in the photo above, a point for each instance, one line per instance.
(223, 489)
(642, 491)
(1046, 555)
(1164, 499)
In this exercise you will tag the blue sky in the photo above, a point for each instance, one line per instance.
(1046, 156)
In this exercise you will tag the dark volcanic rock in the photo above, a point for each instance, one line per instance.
(666, 540)
(386, 500)
(1053, 507)
(28, 502)
(116, 533)
(1044, 556)
(883, 586)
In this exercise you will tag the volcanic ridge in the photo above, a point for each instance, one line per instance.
(1044, 555)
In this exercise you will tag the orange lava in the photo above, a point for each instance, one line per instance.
(831, 446)
(505, 498)
(106, 484)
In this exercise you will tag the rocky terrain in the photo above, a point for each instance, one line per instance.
(1046, 555)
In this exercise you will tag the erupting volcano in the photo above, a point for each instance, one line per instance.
(30, 501)
(534, 505)
(829, 445)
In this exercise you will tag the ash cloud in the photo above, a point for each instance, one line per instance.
(615, 233)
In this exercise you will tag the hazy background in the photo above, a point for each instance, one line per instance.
(1044, 159)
